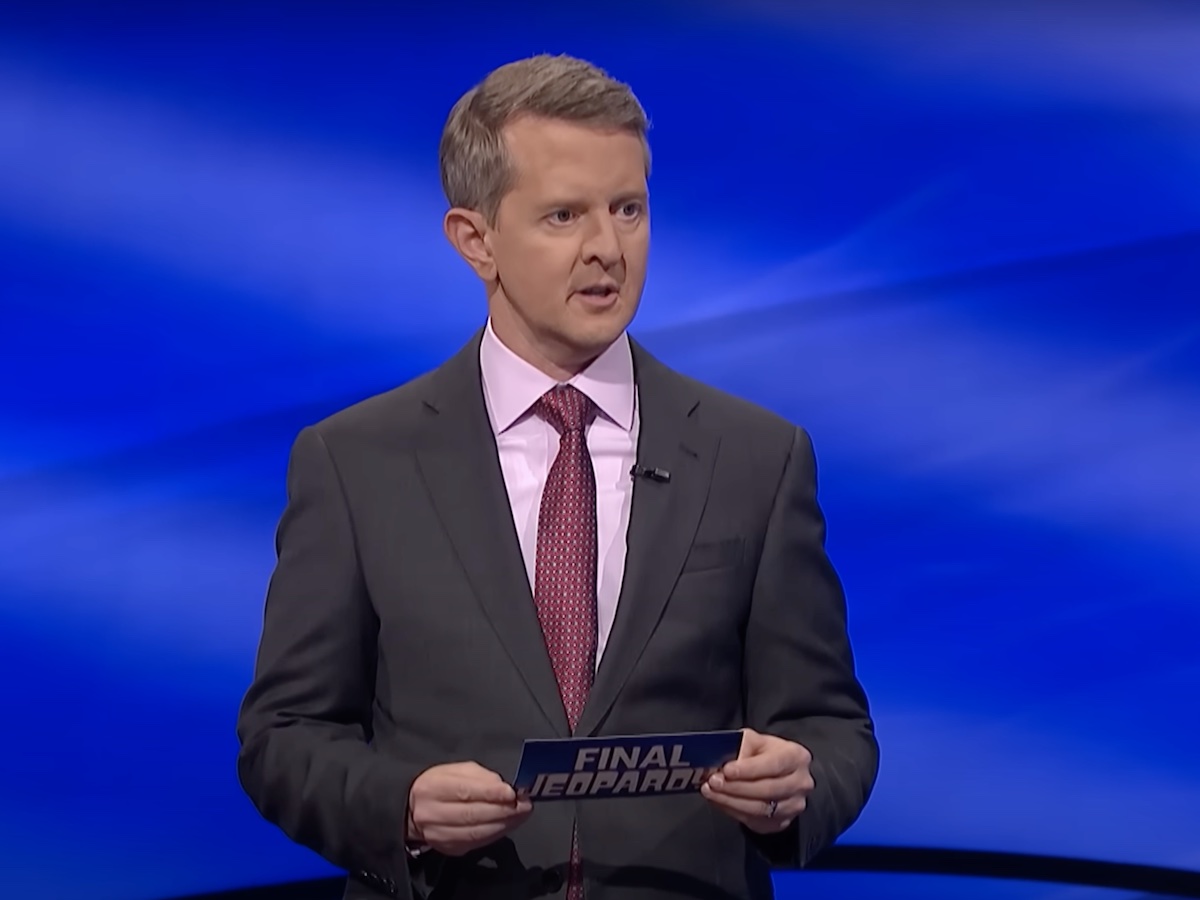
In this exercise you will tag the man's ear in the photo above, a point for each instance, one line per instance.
(467, 231)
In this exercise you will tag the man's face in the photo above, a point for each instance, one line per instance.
(570, 240)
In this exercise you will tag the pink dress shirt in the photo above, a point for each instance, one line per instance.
(527, 446)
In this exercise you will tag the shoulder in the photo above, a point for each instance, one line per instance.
(396, 418)
(731, 413)
(727, 415)
(396, 412)
(757, 438)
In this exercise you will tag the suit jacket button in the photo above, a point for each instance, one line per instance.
(552, 880)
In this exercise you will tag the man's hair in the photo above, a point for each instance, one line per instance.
(475, 165)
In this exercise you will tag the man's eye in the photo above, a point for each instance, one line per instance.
(631, 209)
(562, 216)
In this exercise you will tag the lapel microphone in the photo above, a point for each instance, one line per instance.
(654, 474)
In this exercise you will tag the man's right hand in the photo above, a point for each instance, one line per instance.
(457, 807)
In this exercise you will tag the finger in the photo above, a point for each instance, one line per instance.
(473, 771)
(441, 815)
(467, 815)
(464, 782)
(753, 743)
(466, 771)
(758, 824)
(457, 838)
(470, 769)
(778, 758)
(756, 819)
(475, 790)
(755, 810)
(764, 789)
(771, 764)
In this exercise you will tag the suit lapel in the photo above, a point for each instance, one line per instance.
(662, 523)
(461, 468)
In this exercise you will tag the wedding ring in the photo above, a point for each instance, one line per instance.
(772, 805)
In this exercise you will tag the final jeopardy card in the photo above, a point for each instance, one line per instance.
(635, 766)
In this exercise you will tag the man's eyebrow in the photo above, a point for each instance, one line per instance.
(567, 202)
(562, 203)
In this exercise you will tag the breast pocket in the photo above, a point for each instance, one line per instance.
(714, 554)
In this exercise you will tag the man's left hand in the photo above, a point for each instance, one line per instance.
(766, 787)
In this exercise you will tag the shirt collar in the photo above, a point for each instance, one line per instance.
(511, 385)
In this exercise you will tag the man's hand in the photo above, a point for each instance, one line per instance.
(766, 787)
(457, 807)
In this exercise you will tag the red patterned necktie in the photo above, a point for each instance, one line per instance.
(565, 573)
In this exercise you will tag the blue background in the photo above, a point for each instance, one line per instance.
(960, 243)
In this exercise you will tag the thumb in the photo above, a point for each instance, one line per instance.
(476, 772)
(753, 743)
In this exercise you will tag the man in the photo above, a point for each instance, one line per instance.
(552, 534)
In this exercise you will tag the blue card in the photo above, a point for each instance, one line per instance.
(636, 766)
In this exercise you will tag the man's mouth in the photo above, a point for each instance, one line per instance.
(600, 290)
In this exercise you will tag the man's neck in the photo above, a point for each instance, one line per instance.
(557, 365)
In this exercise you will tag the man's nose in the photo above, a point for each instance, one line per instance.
(603, 244)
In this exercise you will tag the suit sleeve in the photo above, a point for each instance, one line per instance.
(799, 672)
(306, 758)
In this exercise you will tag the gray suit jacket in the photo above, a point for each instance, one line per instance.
(400, 633)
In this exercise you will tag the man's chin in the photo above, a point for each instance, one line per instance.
(593, 338)
(597, 303)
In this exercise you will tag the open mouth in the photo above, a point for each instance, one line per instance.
(600, 292)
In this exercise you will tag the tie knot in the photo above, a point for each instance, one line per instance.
(566, 408)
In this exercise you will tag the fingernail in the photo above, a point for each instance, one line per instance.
(717, 780)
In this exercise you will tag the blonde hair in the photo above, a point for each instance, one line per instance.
(475, 166)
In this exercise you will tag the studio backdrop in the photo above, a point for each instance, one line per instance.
(958, 243)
